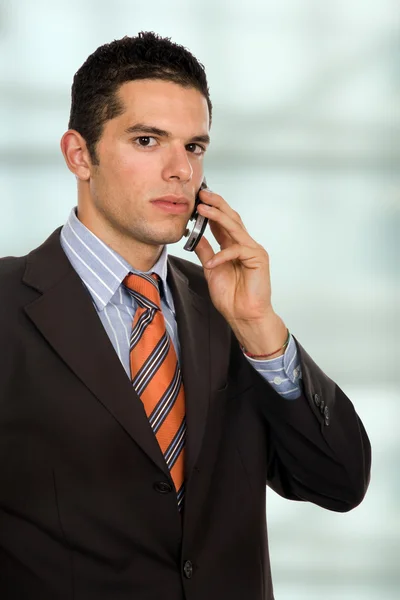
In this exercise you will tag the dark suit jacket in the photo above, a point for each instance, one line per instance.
(81, 513)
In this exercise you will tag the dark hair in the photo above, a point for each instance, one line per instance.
(94, 97)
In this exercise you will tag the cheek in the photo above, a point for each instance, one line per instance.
(135, 164)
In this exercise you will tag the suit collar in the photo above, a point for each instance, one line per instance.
(65, 316)
(47, 265)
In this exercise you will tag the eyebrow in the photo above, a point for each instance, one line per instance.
(150, 130)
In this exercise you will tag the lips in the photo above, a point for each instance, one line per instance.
(172, 199)
(177, 205)
(171, 207)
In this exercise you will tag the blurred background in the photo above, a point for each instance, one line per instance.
(306, 146)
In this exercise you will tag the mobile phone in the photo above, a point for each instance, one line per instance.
(200, 223)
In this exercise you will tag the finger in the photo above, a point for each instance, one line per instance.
(235, 229)
(204, 251)
(221, 235)
(208, 197)
(247, 256)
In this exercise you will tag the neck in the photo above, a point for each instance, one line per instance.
(140, 255)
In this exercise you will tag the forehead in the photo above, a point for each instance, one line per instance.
(163, 104)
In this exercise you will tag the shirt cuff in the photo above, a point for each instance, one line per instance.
(282, 373)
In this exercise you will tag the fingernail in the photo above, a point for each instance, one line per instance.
(209, 263)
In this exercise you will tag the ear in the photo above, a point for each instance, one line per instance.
(76, 154)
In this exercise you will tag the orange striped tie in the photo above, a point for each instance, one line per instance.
(156, 375)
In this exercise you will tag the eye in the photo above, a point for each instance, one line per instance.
(195, 149)
(145, 141)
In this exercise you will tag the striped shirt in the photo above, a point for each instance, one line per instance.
(102, 271)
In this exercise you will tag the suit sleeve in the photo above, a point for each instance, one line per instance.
(318, 448)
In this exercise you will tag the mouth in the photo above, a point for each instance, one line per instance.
(172, 199)
(172, 204)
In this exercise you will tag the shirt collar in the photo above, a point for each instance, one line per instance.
(100, 267)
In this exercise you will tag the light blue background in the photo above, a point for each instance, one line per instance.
(306, 146)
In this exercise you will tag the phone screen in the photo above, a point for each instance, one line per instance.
(199, 224)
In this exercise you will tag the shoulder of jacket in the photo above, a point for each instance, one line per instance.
(12, 269)
(11, 266)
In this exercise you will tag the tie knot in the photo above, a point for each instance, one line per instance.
(145, 289)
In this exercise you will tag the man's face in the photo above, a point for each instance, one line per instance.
(138, 164)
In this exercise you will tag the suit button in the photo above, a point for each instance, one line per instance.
(163, 487)
(326, 415)
(317, 400)
(322, 407)
(188, 569)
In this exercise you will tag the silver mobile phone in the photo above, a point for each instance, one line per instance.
(199, 225)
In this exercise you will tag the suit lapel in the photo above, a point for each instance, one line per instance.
(192, 315)
(65, 316)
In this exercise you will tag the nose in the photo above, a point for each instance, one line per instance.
(178, 165)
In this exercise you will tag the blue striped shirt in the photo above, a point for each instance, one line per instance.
(102, 271)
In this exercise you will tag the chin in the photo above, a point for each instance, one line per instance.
(168, 237)
(168, 240)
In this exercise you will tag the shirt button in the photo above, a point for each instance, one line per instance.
(277, 380)
(188, 569)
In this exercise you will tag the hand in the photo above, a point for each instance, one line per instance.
(238, 276)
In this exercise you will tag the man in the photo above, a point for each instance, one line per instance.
(145, 401)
